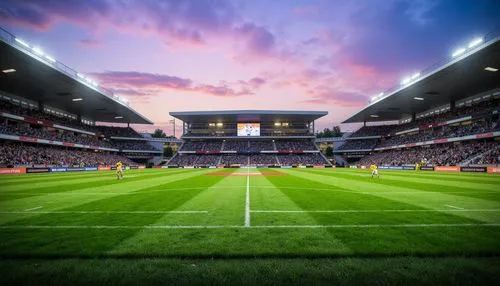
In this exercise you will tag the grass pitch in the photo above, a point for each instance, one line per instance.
(246, 226)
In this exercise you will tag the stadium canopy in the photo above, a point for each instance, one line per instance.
(247, 116)
(29, 73)
(469, 74)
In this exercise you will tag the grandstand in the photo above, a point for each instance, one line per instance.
(49, 115)
(248, 138)
(440, 120)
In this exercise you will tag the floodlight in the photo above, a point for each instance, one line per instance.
(475, 43)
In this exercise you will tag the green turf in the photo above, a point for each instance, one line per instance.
(297, 217)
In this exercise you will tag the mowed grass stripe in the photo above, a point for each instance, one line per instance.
(455, 177)
(328, 200)
(403, 194)
(71, 241)
(63, 185)
(51, 202)
(431, 185)
(69, 180)
(225, 206)
(168, 201)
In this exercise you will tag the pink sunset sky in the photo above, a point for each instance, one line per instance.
(328, 55)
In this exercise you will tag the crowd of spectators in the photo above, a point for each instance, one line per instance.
(363, 144)
(257, 145)
(21, 154)
(490, 158)
(476, 127)
(263, 159)
(37, 114)
(302, 159)
(375, 130)
(202, 146)
(110, 131)
(439, 154)
(55, 135)
(462, 111)
(233, 159)
(133, 145)
(294, 145)
(236, 145)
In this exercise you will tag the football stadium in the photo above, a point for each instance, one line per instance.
(249, 197)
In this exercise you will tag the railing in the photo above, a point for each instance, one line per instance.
(25, 48)
(487, 40)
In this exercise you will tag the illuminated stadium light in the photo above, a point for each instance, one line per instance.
(80, 75)
(458, 52)
(415, 76)
(77, 99)
(118, 117)
(211, 124)
(277, 123)
(490, 69)
(22, 42)
(38, 51)
(50, 59)
(418, 98)
(406, 81)
(374, 115)
(220, 124)
(8, 70)
(475, 43)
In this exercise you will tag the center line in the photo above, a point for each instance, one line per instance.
(247, 202)
(454, 207)
(32, 209)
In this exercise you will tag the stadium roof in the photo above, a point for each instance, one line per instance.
(460, 78)
(247, 115)
(38, 77)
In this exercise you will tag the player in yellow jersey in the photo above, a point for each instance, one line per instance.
(119, 170)
(374, 169)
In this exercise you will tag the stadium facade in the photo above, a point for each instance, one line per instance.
(249, 138)
(447, 116)
(48, 116)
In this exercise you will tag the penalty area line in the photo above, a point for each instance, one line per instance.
(32, 209)
(454, 207)
(254, 227)
(375, 211)
(104, 212)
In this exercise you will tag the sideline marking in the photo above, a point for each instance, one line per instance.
(374, 211)
(247, 201)
(240, 226)
(32, 209)
(104, 212)
(454, 207)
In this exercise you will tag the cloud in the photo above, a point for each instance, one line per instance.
(140, 84)
(89, 43)
(326, 95)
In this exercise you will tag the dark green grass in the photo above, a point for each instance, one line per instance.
(351, 246)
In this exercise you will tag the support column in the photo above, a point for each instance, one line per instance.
(79, 118)
(413, 117)
(128, 124)
(41, 106)
(364, 123)
(452, 106)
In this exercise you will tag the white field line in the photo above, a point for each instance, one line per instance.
(454, 207)
(103, 212)
(374, 192)
(374, 211)
(240, 226)
(247, 201)
(32, 209)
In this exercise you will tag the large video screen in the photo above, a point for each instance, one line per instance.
(248, 129)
